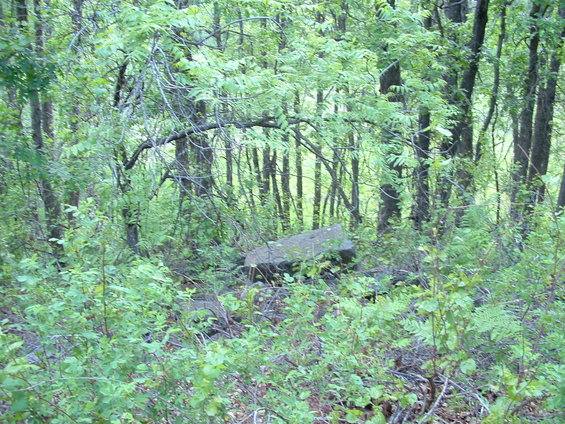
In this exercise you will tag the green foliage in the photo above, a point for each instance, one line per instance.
(93, 332)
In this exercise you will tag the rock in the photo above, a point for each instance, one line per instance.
(209, 314)
(281, 255)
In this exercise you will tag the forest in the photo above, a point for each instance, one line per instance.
(148, 146)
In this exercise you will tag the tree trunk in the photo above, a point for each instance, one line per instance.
(421, 211)
(541, 142)
(266, 186)
(561, 198)
(455, 10)
(50, 202)
(181, 164)
(257, 171)
(276, 192)
(299, 177)
(355, 197)
(463, 132)
(229, 163)
(285, 186)
(245, 187)
(495, 85)
(47, 194)
(333, 190)
(523, 142)
(421, 208)
(390, 198)
(298, 166)
(204, 162)
(130, 213)
(72, 196)
(316, 218)
(317, 193)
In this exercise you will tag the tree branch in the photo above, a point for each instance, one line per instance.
(196, 129)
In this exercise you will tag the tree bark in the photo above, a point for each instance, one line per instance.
(541, 142)
(181, 164)
(390, 198)
(561, 197)
(229, 163)
(72, 196)
(522, 143)
(421, 211)
(285, 186)
(266, 186)
(204, 162)
(333, 188)
(463, 133)
(130, 213)
(276, 191)
(299, 178)
(316, 218)
(52, 206)
(257, 171)
(496, 83)
(455, 10)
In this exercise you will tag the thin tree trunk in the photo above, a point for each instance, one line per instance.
(298, 166)
(333, 189)
(353, 145)
(257, 171)
(522, 143)
(355, 197)
(421, 208)
(561, 197)
(266, 186)
(229, 163)
(204, 161)
(130, 213)
(390, 198)
(317, 193)
(463, 134)
(72, 197)
(541, 142)
(244, 186)
(496, 83)
(228, 144)
(317, 170)
(276, 192)
(285, 186)
(456, 12)
(182, 166)
(299, 177)
(51, 203)
(421, 212)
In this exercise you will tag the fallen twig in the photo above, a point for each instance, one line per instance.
(436, 403)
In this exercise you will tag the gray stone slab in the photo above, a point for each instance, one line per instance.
(280, 255)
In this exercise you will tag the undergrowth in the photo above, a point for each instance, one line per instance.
(113, 339)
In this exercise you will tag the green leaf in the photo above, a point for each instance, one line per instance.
(20, 402)
(468, 366)
(379, 418)
(353, 415)
(211, 371)
(429, 305)
(444, 131)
